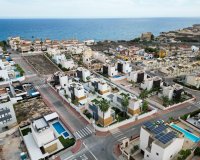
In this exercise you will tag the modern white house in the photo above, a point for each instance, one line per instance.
(124, 66)
(99, 85)
(76, 91)
(173, 91)
(160, 141)
(42, 136)
(150, 83)
(137, 76)
(83, 74)
(64, 81)
(110, 69)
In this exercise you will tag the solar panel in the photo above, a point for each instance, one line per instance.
(159, 129)
(167, 137)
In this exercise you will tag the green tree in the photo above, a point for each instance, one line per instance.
(125, 103)
(104, 105)
(145, 106)
(144, 94)
(166, 101)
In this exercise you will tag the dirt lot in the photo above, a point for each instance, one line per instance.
(12, 147)
(41, 64)
(32, 108)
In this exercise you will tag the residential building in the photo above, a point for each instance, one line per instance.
(137, 76)
(134, 107)
(76, 91)
(173, 92)
(7, 113)
(110, 69)
(83, 74)
(124, 66)
(99, 85)
(160, 141)
(42, 140)
(151, 83)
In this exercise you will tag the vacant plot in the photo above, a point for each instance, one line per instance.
(41, 64)
(27, 110)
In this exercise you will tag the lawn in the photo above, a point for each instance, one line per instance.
(26, 131)
(67, 142)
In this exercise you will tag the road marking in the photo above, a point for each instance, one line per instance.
(121, 139)
(69, 157)
(83, 132)
(89, 151)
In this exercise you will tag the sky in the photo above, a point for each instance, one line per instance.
(98, 8)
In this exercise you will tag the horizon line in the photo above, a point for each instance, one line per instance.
(92, 17)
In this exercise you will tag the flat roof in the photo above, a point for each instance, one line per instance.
(51, 116)
(33, 150)
(40, 123)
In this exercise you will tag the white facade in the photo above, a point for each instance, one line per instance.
(135, 104)
(112, 71)
(156, 150)
(84, 72)
(133, 76)
(126, 66)
(42, 136)
(148, 83)
(168, 92)
(63, 80)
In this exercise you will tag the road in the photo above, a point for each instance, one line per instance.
(94, 147)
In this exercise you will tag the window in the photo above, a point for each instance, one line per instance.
(171, 156)
(147, 155)
(157, 154)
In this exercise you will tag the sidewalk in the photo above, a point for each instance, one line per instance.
(77, 146)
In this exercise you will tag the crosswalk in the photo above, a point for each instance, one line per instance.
(84, 132)
(117, 134)
(42, 86)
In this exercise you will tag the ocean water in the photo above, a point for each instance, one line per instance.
(97, 29)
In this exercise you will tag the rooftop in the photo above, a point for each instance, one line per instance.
(161, 133)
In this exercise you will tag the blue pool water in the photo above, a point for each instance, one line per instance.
(65, 134)
(187, 134)
(58, 127)
(117, 76)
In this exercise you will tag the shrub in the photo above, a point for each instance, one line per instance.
(197, 151)
(66, 142)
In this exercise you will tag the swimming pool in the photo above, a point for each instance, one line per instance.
(117, 76)
(187, 134)
(58, 127)
(65, 134)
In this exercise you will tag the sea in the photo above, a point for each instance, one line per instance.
(96, 29)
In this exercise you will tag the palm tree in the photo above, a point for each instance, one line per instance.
(125, 103)
(103, 106)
